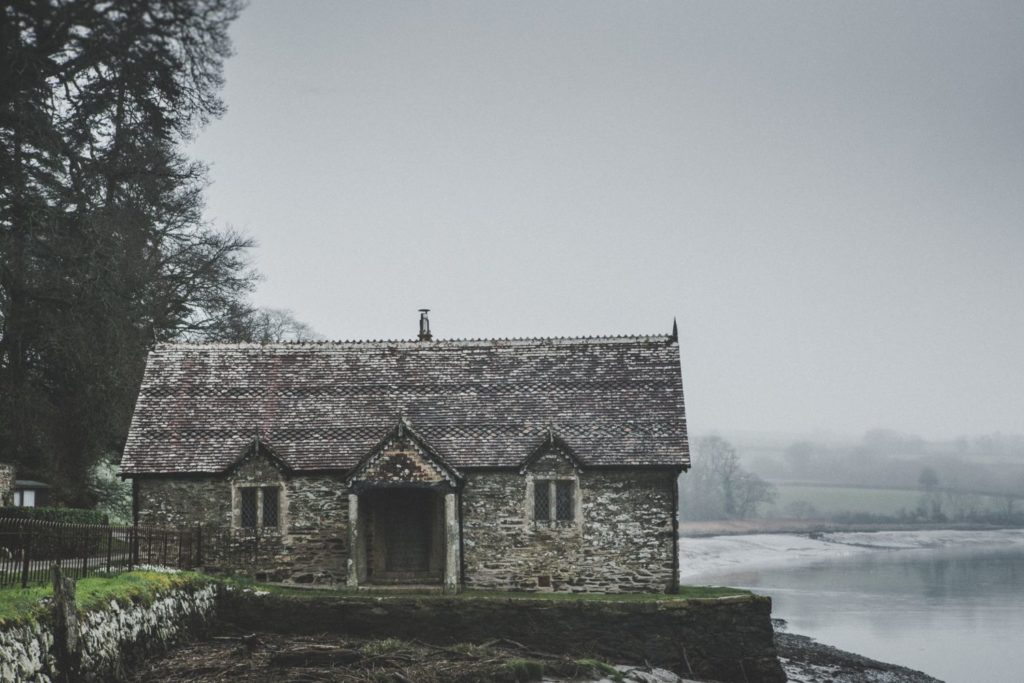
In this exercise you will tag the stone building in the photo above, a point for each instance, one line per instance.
(524, 464)
(6, 484)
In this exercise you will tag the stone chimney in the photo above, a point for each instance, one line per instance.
(425, 325)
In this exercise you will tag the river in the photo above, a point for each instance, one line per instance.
(950, 604)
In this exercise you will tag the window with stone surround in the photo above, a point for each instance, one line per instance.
(249, 512)
(270, 507)
(259, 507)
(554, 500)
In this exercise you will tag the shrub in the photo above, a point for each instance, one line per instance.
(63, 515)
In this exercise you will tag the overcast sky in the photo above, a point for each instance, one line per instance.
(828, 196)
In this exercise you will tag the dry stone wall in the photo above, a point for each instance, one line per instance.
(110, 638)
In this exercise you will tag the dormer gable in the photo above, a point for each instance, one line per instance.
(256, 458)
(552, 454)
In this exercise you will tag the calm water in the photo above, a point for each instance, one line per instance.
(956, 614)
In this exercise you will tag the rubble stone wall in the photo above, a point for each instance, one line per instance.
(6, 484)
(619, 540)
(109, 638)
(310, 544)
(726, 639)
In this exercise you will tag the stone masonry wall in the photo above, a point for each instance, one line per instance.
(109, 637)
(621, 540)
(725, 639)
(309, 545)
(6, 484)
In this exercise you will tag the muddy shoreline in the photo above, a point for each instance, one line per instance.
(231, 655)
(805, 660)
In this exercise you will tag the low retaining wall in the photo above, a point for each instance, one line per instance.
(726, 639)
(109, 638)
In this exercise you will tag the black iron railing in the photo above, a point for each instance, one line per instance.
(29, 547)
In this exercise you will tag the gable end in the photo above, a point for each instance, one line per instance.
(403, 459)
(552, 444)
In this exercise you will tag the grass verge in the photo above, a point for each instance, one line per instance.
(143, 586)
(685, 593)
(18, 604)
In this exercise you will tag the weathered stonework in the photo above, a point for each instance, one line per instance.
(109, 638)
(401, 462)
(6, 484)
(522, 464)
(725, 639)
(621, 540)
(309, 545)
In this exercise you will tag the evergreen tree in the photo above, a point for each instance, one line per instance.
(103, 248)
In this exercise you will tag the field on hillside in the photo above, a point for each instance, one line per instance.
(804, 499)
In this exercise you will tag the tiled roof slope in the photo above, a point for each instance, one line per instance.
(486, 403)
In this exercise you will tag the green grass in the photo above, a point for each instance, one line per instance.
(20, 603)
(521, 670)
(97, 591)
(594, 667)
(834, 499)
(143, 587)
(830, 500)
(685, 593)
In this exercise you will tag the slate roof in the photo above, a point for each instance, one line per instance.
(615, 401)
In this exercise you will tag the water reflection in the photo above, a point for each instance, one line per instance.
(957, 614)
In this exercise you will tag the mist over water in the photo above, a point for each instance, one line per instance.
(956, 613)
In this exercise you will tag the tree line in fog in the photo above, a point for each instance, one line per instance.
(992, 465)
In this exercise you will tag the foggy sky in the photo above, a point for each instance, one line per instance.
(828, 196)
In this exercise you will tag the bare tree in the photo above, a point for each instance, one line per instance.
(260, 325)
(717, 486)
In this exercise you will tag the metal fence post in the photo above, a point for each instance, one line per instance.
(110, 544)
(199, 546)
(85, 550)
(25, 561)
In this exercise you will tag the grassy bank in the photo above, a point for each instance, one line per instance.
(826, 501)
(685, 593)
(730, 527)
(143, 586)
(96, 591)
